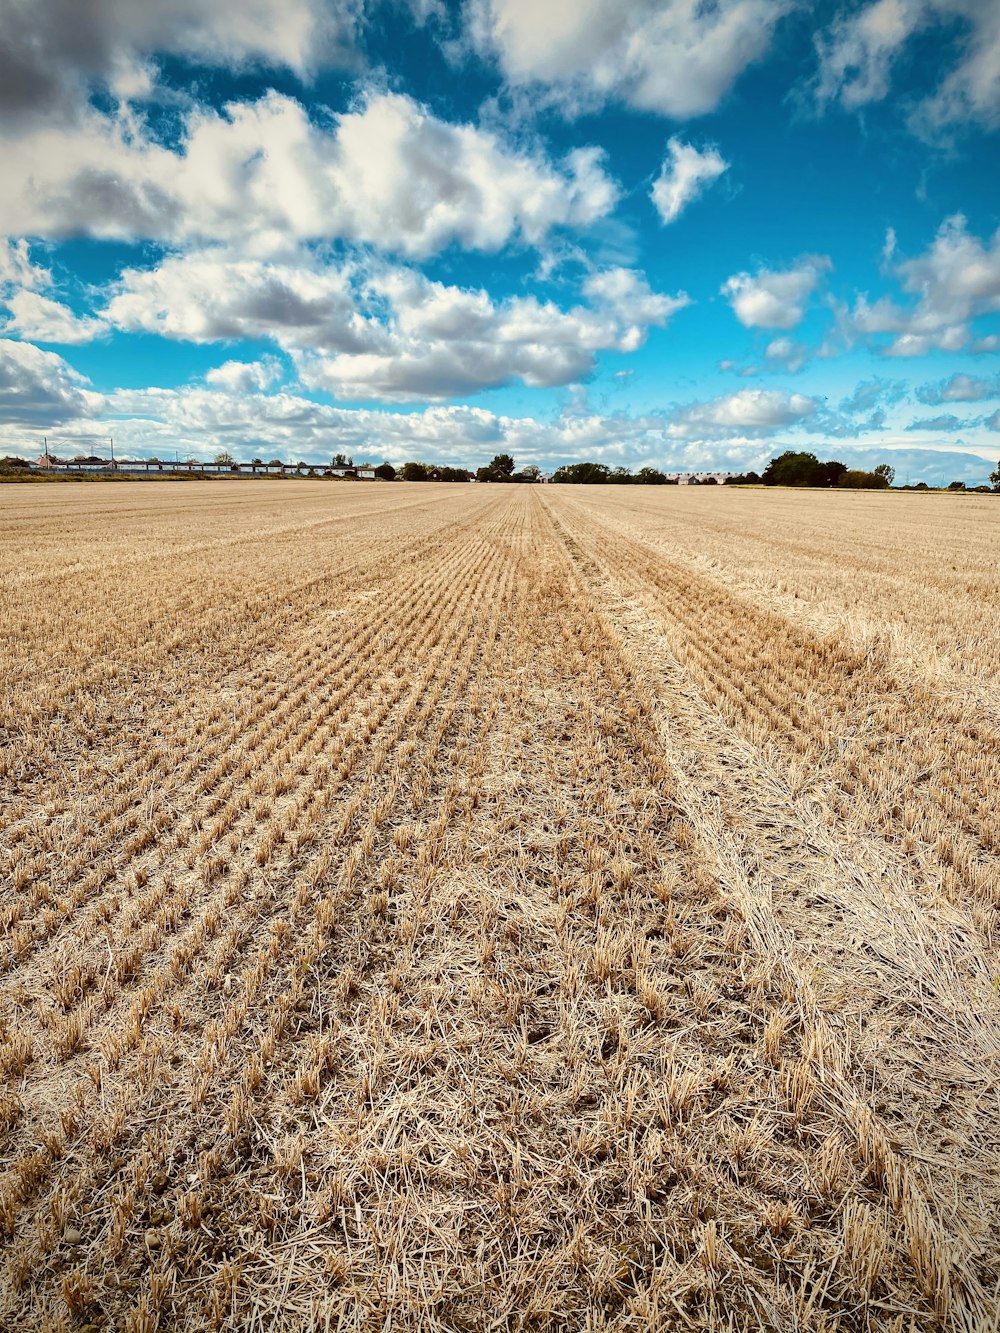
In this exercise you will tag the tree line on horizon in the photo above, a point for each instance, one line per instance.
(794, 468)
(791, 468)
(799, 468)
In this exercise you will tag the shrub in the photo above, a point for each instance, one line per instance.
(856, 480)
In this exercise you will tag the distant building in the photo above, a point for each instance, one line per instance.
(698, 478)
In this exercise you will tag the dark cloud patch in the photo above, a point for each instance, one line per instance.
(942, 423)
(39, 388)
(54, 53)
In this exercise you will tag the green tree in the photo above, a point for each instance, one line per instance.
(995, 478)
(582, 474)
(224, 457)
(858, 480)
(386, 472)
(828, 474)
(802, 469)
(791, 469)
(889, 473)
(503, 464)
(415, 471)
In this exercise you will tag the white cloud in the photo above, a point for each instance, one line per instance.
(202, 420)
(17, 269)
(42, 319)
(960, 388)
(245, 376)
(364, 330)
(954, 281)
(388, 174)
(772, 299)
(747, 412)
(445, 341)
(214, 295)
(859, 50)
(678, 58)
(685, 174)
(787, 353)
(39, 388)
(628, 295)
(31, 315)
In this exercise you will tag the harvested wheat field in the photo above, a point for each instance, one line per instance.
(483, 908)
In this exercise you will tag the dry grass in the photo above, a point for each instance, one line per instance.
(470, 908)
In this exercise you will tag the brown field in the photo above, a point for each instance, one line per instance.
(483, 908)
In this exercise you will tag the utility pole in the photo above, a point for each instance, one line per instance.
(112, 439)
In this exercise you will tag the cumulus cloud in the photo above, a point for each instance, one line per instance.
(787, 353)
(245, 376)
(39, 388)
(442, 341)
(42, 319)
(215, 295)
(54, 51)
(365, 330)
(627, 294)
(959, 388)
(860, 49)
(17, 269)
(954, 281)
(388, 173)
(201, 420)
(685, 174)
(679, 59)
(32, 315)
(750, 412)
(774, 299)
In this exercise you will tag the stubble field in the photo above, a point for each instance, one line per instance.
(477, 907)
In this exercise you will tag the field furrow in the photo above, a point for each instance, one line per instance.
(480, 908)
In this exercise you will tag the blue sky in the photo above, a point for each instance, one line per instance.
(676, 233)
